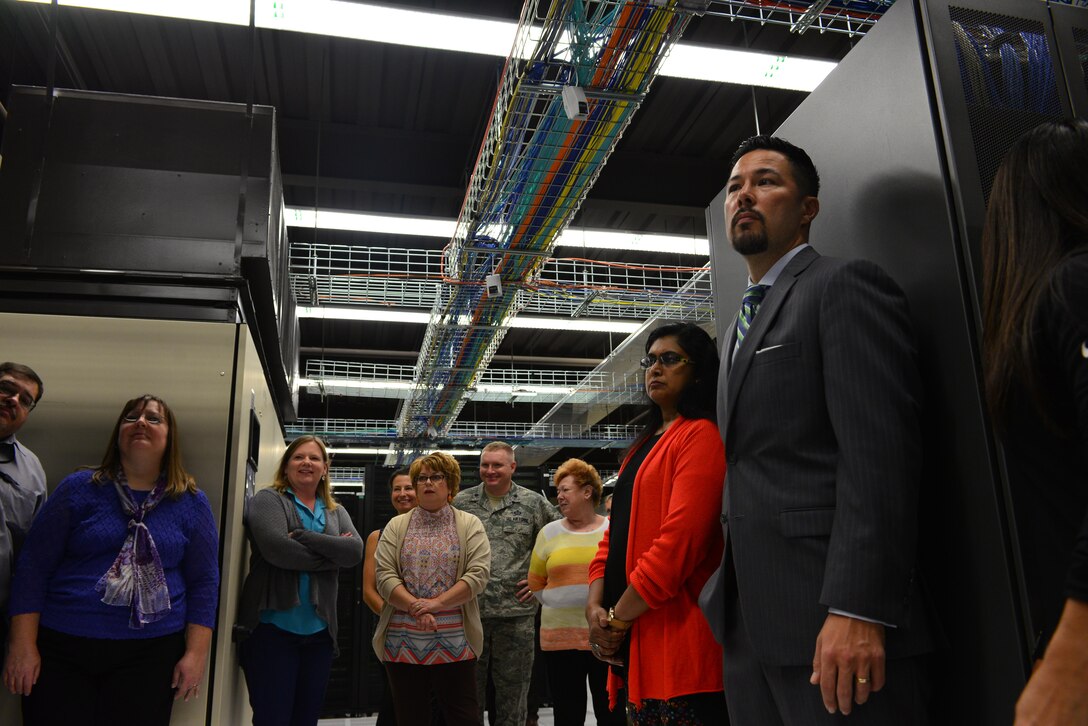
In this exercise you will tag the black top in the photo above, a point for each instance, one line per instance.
(619, 524)
(1048, 465)
(615, 567)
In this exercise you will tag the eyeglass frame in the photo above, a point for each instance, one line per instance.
(152, 420)
(18, 394)
(429, 478)
(651, 360)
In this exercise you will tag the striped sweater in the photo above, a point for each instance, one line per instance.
(559, 577)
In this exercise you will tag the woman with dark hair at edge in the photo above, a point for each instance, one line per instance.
(114, 599)
(300, 539)
(1035, 358)
(402, 493)
(664, 540)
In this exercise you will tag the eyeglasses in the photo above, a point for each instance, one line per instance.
(11, 388)
(432, 478)
(667, 359)
(152, 419)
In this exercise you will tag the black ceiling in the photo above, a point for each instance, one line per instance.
(385, 128)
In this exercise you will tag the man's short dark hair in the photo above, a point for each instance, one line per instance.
(808, 180)
(19, 369)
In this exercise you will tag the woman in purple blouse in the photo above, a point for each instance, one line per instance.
(431, 564)
(113, 602)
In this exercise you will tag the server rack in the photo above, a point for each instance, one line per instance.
(907, 133)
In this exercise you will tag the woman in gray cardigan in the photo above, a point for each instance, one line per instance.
(300, 538)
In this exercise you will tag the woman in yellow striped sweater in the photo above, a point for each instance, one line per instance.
(559, 577)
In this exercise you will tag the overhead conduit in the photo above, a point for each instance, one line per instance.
(536, 166)
(534, 169)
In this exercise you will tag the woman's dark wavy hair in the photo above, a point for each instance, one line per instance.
(700, 398)
(1037, 218)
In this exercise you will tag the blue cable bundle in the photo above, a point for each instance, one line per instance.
(1006, 69)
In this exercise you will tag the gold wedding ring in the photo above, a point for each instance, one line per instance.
(862, 680)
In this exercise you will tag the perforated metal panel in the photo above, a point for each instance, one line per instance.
(1080, 38)
(1008, 78)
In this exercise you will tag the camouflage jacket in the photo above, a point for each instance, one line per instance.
(512, 530)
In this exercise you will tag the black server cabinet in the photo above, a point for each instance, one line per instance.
(996, 74)
(342, 693)
(907, 133)
(1071, 35)
(357, 683)
(113, 204)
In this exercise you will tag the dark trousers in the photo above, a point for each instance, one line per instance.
(386, 715)
(567, 674)
(453, 686)
(758, 694)
(286, 675)
(100, 682)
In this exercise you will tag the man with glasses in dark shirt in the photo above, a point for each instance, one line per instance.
(22, 489)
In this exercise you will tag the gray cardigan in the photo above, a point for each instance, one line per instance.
(277, 558)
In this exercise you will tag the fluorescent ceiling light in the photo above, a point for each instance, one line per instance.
(389, 450)
(601, 239)
(352, 383)
(520, 321)
(747, 68)
(604, 239)
(580, 324)
(388, 25)
(231, 12)
(359, 21)
(368, 314)
(518, 392)
(363, 222)
(524, 391)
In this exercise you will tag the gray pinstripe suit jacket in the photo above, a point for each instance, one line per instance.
(819, 412)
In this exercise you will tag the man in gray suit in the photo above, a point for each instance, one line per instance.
(815, 603)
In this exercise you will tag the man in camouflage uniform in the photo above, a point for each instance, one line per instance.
(512, 516)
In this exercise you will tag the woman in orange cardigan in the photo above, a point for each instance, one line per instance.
(663, 542)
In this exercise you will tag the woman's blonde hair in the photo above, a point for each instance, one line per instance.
(324, 487)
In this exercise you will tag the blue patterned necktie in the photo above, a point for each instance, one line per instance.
(749, 306)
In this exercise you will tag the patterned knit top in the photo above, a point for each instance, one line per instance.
(559, 577)
(428, 560)
(75, 539)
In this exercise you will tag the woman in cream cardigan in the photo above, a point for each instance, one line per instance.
(431, 564)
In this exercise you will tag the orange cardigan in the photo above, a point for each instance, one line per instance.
(674, 544)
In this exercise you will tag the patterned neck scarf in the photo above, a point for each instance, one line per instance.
(135, 579)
